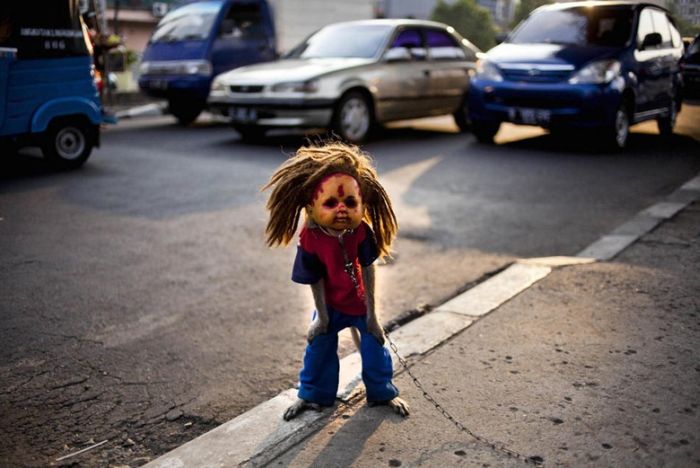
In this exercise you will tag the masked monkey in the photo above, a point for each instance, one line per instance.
(349, 223)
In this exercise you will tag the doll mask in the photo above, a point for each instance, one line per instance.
(337, 203)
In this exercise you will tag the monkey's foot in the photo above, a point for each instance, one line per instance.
(397, 404)
(298, 407)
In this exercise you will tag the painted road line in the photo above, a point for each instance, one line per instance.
(692, 184)
(664, 210)
(556, 261)
(244, 437)
(607, 247)
(636, 226)
(485, 297)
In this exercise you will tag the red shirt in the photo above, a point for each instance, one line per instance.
(320, 256)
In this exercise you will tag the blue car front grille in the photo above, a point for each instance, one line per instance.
(535, 74)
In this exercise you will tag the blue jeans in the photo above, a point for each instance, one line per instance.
(319, 376)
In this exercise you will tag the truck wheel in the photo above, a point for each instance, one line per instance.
(250, 133)
(354, 118)
(485, 131)
(667, 122)
(461, 116)
(185, 112)
(68, 142)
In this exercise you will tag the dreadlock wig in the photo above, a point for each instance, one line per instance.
(294, 183)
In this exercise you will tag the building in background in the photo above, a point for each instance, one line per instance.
(689, 10)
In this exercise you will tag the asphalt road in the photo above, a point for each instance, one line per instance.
(141, 306)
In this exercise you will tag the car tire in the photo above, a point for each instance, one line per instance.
(250, 133)
(461, 116)
(617, 134)
(668, 121)
(353, 119)
(185, 111)
(68, 142)
(485, 131)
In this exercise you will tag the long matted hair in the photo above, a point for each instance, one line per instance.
(294, 182)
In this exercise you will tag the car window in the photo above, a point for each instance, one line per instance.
(190, 22)
(602, 26)
(343, 41)
(442, 46)
(694, 48)
(675, 35)
(646, 26)
(243, 21)
(413, 41)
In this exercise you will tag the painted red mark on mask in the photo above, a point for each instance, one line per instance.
(341, 191)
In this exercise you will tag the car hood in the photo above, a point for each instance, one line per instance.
(290, 70)
(554, 54)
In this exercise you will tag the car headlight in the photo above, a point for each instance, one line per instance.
(309, 86)
(602, 71)
(196, 67)
(486, 70)
(144, 68)
(218, 85)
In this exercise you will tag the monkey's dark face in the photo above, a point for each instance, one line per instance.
(337, 203)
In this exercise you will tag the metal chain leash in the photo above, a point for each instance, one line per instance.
(534, 460)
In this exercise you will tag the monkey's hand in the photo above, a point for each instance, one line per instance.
(375, 329)
(317, 327)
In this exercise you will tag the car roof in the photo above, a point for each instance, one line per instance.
(599, 3)
(394, 22)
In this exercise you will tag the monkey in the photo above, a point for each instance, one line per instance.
(349, 222)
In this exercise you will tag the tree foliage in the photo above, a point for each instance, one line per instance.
(469, 19)
(525, 7)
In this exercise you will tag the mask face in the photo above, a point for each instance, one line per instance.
(337, 203)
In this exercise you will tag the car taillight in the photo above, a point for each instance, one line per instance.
(97, 78)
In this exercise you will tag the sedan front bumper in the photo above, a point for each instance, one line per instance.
(544, 104)
(298, 112)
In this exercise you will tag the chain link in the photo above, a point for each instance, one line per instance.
(534, 460)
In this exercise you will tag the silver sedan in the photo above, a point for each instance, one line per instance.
(351, 76)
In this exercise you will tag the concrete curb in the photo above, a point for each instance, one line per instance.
(262, 432)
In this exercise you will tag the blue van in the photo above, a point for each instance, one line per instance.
(199, 40)
(48, 95)
(601, 65)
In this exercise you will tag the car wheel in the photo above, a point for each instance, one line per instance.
(185, 111)
(461, 116)
(618, 133)
(250, 133)
(353, 119)
(485, 131)
(667, 122)
(68, 142)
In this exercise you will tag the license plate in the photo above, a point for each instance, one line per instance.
(243, 114)
(159, 84)
(529, 116)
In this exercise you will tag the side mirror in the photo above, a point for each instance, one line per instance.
(397, 54)
(501, 37)
(651, 40)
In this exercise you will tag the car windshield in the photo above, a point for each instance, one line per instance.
(601, 26)
(191, 22)
(343, 40)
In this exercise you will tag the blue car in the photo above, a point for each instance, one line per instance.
(198, 41)
(601, 65)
